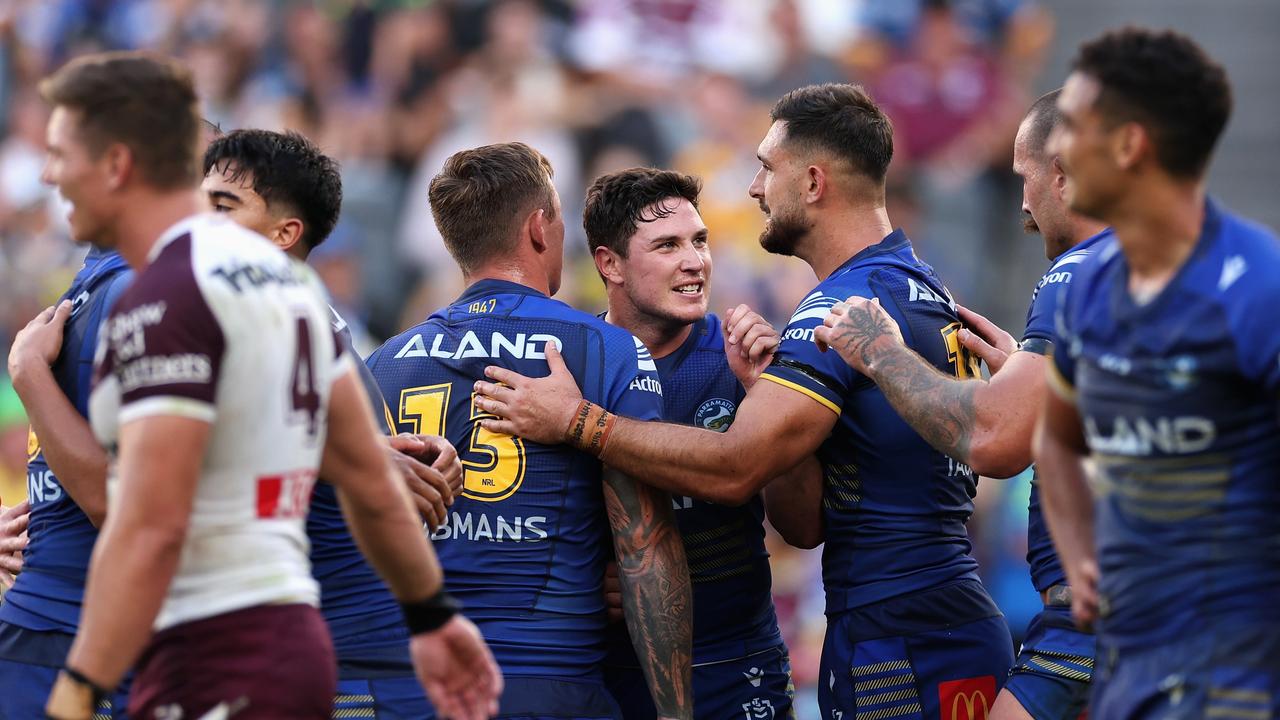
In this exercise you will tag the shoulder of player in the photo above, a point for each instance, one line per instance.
(1243, 267)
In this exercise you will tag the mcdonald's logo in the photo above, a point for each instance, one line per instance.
(967, 699)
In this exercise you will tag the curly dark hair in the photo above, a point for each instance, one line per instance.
(618, 202)
(841, 119)
(1164, 81)
(288, 171)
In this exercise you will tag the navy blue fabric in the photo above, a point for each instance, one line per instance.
(894, 508)
(48, 593)
(1178, 399)
(1046, 571)
(758, 686)
(913, 657)
(1054, 667)
(525, 543)
(733, 613)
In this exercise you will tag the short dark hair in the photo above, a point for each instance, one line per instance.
(841, 119)
(1043, 116)
(618, 202)
(1164, 81)
(144, 101)
(288, 170)
(480, 196)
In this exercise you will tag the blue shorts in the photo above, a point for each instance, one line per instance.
(384, 698)
(29, 663)
(1223, 673)
(523, 698)
(757, 687)
(1052, 674)
(897, 660)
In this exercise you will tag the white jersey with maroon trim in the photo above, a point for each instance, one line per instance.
(224, 327)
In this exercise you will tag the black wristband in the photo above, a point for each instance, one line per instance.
(99, 693)
(427, 615)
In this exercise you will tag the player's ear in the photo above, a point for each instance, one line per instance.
(1059, 176)
(118, 161)
(535, 228)
(816, 184)
(608, 264)
(1129, 144)
(287, 234)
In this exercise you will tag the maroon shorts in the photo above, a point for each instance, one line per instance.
(269, 661)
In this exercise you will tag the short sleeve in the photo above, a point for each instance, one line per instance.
(1041, 316)
(1062, 372)
(1257, 342)
(164, 344)
(634, 388)
(800, 366)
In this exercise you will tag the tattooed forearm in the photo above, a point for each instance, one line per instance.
(656, 596)
(939, 407)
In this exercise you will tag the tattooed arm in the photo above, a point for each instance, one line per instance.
(656, 596)
(984, 423)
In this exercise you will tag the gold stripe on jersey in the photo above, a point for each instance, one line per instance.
(803, 390)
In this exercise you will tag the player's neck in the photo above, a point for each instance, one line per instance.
(842, 234)
(660, 335)
(150, 213)
(512, 272)
(1159, 228)
(1083, 228)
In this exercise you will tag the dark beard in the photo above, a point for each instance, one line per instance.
(782, 234)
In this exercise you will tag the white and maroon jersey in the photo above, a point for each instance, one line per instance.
(223, 327)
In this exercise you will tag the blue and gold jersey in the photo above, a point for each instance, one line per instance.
(48, 593)
(894, 508)
(525, 544)
(733, 612)
(1038, 337)
(1178, 398)
(363, 617)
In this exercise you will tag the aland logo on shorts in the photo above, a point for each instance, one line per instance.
(715, 414)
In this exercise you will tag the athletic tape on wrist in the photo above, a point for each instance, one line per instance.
(590, 427)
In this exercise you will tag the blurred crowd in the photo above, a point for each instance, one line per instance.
(392, 87)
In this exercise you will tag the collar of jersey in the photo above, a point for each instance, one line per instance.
(177, 230)
(1085, 244)
(677, 356)
(1123, 301)
(491, 286)
(892, 243)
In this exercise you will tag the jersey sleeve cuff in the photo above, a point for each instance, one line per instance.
(804, 385)
(168, 405)
(1037, 345)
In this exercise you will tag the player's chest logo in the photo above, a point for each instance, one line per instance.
(715, 414)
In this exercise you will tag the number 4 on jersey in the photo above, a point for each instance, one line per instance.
(304, 398)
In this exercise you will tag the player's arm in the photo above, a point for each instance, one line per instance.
(1060, 451)
(986, 424)
(793, 504)
(70, 448)
(774, 429)
(656, 596)
(451, 659)
(137, 553)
